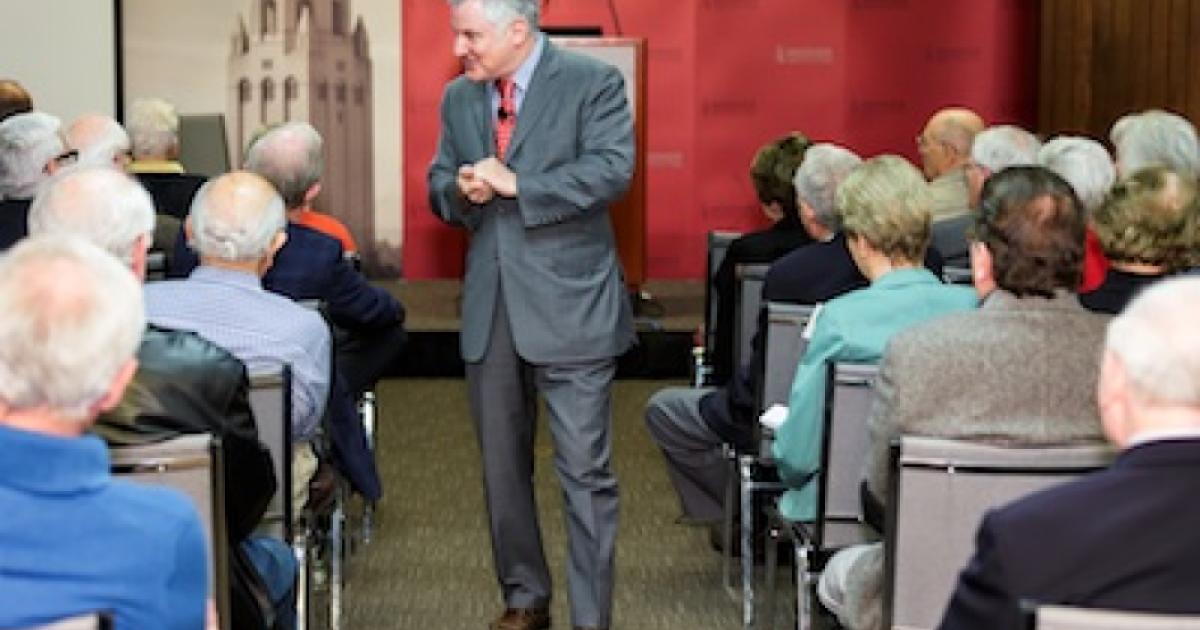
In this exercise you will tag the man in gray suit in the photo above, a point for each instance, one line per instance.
(1019, 370)
(535, 143)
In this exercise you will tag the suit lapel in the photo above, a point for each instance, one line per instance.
(481, 117)
(537, 99)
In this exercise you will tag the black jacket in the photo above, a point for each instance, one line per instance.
(185, 385)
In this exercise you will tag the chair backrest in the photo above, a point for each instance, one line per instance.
(1072, 618)
(750, 280)
(156, 265)
(91, 621)
(940, 490)
(849, 394)
(718, 246)
(191, 464)
(956, 275)
(783, 347)
(271, 401)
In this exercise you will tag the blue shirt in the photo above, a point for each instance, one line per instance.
(852, 328)
(73, 540)
(232, 310)
(520, 78)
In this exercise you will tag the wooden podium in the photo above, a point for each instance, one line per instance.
(627, 54)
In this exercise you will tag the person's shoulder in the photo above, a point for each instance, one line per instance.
(578, 65)
(166, 350)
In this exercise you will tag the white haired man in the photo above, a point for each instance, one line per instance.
(1089, 169)
(184, 384)
(100, 140)
(31, 150)
(1155, 138)
(237, 225)
(1138, 550)
(544, 308)
(153, 126)
(72, 538)
(992, 150)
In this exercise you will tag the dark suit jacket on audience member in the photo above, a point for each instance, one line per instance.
(186, 385)
(764, 246)
(1124, 538)
(172, 192)
(1117, 290)
(14, 221)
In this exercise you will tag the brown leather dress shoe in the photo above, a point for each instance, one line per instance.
(522, 619)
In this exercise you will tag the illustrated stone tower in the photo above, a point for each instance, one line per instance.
(302, 60)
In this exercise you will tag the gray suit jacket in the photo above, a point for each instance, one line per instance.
(551, 250)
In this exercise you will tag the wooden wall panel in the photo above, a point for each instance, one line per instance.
(1101, 59)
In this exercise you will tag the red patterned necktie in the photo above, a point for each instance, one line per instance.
(506, 117)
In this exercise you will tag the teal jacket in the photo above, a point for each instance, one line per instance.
(852, 328)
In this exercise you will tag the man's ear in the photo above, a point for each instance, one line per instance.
(141, 245)
(982, 269)
(1112, 399)
(310, 195)
(518, 30)
(116, 387)
(187, 232)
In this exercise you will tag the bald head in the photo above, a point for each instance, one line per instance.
(945, 142)
(289, 156)
(1150, 378)
(14, 99)
(100, 204)
(236, 218)
(99, 139)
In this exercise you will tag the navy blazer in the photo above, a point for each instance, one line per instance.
(312, 266)
(1124, 538)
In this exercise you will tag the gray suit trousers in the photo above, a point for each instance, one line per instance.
(502, 388)
(695, 461)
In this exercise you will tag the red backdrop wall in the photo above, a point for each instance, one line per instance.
(726, 76)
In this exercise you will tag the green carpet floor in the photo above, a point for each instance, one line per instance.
(430, 564)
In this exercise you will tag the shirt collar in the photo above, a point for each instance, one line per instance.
(905, 277)
(1163, 434)
(524, 73)
(156, 166)
(49, 464)
(220, 275)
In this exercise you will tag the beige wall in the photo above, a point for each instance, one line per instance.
(62, 52)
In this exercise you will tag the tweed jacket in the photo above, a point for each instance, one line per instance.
(1018, 370)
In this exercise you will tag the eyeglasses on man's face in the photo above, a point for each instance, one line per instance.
(66, 158)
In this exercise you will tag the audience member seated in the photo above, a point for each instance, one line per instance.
(183, 384)
(945, 148)
(13, 99)
(1155, 138)
(992, 150)
(1089, 169)
(237, 224)
(368, 323)
(1124, 538)
(31, 150)
(884, 208)
(72, 539)
(99, 140)
(771, 172)
(1149, 228)
(1020, 370)
(154, 129)
(690, 424)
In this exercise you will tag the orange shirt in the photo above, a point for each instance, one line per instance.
(322, 222)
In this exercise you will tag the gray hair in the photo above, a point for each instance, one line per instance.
(999, 147)
(824, 167)
(1084, 163)
(73, 317)
(98, 138)
(98, 203)
(27, 143)
(1157, 341)
(235, 217)
(503, 12)
(1155, 138)
(153, 127)
(290, 157)
(886, 200)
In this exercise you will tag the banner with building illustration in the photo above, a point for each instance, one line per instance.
(333, 63)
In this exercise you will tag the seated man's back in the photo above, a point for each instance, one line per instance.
(75, 540)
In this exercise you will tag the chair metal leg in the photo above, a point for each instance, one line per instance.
(731, 490)
(303, 568)
(337, 550)
(769, 581)
(803, 587)
(747, 542)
